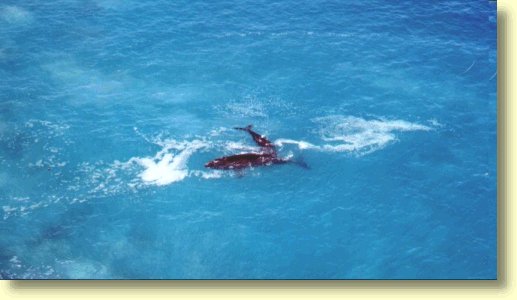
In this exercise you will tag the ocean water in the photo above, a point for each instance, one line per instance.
(109, 110)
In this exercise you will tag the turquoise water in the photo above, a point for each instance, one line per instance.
(110, 109)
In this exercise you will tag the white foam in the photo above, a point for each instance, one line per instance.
(435, 123)
(356, 135)
(353, 134)
(211, 175)
(20, 209)
(237, 146)
(302, 145)
(8, 208)
(162, 172)
(215, 174)
(165, 168)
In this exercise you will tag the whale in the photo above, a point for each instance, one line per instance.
(265, 157)
(244, 160)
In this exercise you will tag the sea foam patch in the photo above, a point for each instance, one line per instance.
(360, 135)
(165, 168)
(354, 134)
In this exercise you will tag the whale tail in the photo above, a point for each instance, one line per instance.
(247, 128)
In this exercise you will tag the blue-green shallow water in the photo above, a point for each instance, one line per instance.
(109, 110)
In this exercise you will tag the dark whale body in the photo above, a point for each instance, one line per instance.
(266, 157)
(245, 160)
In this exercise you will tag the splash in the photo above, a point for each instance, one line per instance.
(165, 168)
(355, 135)
(302, 145)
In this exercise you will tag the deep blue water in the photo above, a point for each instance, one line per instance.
(109, 110)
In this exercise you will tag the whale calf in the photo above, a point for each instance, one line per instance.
(267, 155)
